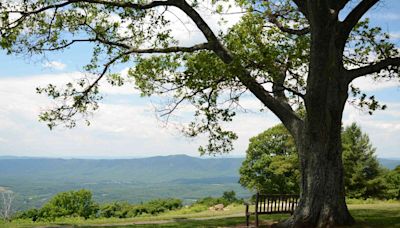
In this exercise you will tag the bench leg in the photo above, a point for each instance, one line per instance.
(256, 220)
(247, 215)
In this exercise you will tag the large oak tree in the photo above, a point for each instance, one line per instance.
(288, 54)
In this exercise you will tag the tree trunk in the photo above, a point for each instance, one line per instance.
(322, 199)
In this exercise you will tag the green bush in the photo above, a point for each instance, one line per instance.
(126, 210)
(65, 204)
(228, 197)
(115, 209)
(70, 204)
(29, 214)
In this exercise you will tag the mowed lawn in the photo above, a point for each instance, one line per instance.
(382, 214)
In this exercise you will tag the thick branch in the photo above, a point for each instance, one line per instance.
(131, 50)
(355, 15)
(279, 108)
(274, 20)
(217, 46)
(302, 5)
(373, 68)
(198, 47)
(339, 4)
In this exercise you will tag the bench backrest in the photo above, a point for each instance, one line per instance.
(271, 204)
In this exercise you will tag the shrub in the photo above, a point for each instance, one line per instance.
(65, 204)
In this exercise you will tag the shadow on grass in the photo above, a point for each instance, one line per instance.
(380, 216)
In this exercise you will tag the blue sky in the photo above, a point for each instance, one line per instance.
(126, 125)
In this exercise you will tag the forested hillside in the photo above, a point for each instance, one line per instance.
(36, 179)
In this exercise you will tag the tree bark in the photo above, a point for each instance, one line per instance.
(322, 201)
(322, 198)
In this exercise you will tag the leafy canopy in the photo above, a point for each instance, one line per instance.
(271, 164)
(266, 53)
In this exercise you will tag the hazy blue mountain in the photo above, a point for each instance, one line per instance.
(143, 170)
(389, 163)
(36, 179)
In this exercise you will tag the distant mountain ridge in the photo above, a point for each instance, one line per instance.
(389, 163)
(140, 179)
(35, 180)
(147, 170)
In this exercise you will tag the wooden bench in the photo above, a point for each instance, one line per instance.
(272, 204)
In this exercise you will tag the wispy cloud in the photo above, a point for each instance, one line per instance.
(55, 65)
(394, 35)
(368, 84)
(117, 129)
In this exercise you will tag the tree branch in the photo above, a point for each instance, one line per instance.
(274, 20)
(373, 68)
(280, 108)
(339, 4)
(25, 14)
(302, 5)
(131, 50)
(355, 15)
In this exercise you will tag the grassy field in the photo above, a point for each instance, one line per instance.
(377, 214)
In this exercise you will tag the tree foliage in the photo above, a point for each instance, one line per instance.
(270, 45)
(363, 174)
(392, 181)
(70, 204)
(271, 165)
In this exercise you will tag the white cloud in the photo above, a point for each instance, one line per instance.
(131, 128)
(368, 84)
(394, 35)
(54, 65)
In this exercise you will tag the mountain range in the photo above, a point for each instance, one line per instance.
(35, 180)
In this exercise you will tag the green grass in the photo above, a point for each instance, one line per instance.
(378, 214)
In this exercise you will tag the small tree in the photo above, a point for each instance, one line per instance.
(230, 197)
(271, 164)
(363, 175)
(6, 207)
(392, 181)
